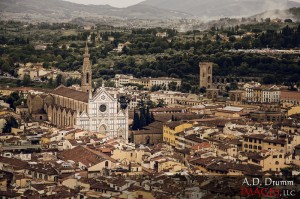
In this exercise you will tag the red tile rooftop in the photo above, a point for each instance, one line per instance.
(289, 95)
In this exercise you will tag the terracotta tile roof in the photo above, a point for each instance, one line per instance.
(43, 168)
(255, 136)
(289, 95)
(153, 128)
(71, 93)
(16, 163)
(201, 145)
(194, 138)
(84, 155)
(174, 124)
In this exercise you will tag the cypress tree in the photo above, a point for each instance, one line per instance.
(148, 116)
(152, 117)
(142, 118)
(136, 121)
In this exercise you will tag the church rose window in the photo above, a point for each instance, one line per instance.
(102, 108)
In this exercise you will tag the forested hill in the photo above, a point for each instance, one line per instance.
(223, 8)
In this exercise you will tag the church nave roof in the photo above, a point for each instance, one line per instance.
(71, 93)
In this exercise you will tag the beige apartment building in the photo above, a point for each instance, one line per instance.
(260, 142)
(263, 94)
(170, 97)
(121, 80)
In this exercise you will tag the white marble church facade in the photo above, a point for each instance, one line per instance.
(104, 115)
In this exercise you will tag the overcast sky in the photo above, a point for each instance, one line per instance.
(115, 3)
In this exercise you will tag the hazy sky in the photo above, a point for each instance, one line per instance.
(115, 3)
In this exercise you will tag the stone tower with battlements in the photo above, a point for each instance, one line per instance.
(206, 74)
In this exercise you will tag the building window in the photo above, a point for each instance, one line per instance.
(259, 147)
(87, 77)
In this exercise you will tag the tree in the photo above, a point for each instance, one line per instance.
(59, 80)
(26, 80)
(269, 79)
(185, 87)
(151, 104)
(125, 50)
(142, 118)
(172, 86)
(203, 90)
(14, 100)
(50, 82)
(288, 21)
(11, 122)
(161, 103)
(148, 116)
(109, 83)
(124, 101)
(136, 121)
(152, 117)
(232, 39)
(233, 86)
(156, 88)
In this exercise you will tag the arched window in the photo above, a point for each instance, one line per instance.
(209, 70)
(87, 77)
(106, 163)
(102, 129)
(259, 147)
(277, 163)
(147, 140)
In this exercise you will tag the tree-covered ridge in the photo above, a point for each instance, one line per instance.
(146, 55)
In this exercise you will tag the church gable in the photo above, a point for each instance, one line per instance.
(83, 115)
(121, 113)
(102, 95)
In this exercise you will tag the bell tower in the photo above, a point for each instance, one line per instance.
(206, 74)
(86, 76)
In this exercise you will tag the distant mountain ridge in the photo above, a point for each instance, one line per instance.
(64, 9)
(221, 8)
(59, 10)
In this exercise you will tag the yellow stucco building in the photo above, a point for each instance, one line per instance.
(294, 110)
(171, 128)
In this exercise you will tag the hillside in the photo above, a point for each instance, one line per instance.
(224, 8)
(62, 10)
(292, 13)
